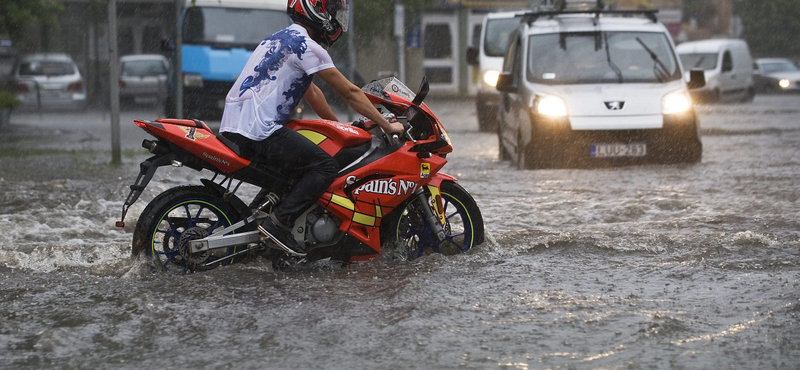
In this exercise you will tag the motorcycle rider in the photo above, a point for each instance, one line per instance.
(277, 76)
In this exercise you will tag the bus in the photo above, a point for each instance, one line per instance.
(218, 37)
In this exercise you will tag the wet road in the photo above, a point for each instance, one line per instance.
(671, 267)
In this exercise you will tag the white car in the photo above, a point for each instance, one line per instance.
(595, 88)
(776, 75)
(49, 81)
(143, 78)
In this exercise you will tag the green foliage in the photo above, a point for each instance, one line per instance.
(771, 27)
(16, 15)
(8, 100)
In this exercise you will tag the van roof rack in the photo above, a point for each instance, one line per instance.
(559, 7)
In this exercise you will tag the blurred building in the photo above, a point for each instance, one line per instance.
(435, 47)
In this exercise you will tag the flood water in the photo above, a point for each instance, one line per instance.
(645, 267)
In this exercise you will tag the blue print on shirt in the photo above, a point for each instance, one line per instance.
(282, 44)
(293, 96)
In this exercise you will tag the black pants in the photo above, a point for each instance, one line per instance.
(292, 155)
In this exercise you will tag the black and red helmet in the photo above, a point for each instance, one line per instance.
(328, 18)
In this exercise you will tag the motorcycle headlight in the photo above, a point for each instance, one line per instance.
(192, 80)
(552, 106)
(676, 102)
(490, 77)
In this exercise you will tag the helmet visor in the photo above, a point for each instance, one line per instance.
(340, 11)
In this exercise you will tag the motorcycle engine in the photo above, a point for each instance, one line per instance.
(323, 228)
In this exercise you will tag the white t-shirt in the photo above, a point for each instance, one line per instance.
(272, 83)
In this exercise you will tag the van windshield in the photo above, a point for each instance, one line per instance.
(601, 57)
(231, 27)
(704, 61)
(497, 33)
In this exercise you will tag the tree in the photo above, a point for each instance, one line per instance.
(16, 15)
(770, 26)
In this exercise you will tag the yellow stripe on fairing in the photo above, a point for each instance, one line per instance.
(378, 211)
(314, 136)
(342, 202)
(363, 219)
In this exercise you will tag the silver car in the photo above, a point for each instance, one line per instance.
(49, 81)
(776, 75)
(143, 78)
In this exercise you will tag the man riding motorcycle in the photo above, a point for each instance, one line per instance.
(278, 74)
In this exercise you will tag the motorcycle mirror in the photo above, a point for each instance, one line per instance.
(424, 87)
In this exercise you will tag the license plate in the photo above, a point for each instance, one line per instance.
(618, 150)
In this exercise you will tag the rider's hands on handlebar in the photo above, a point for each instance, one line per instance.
(391, 124)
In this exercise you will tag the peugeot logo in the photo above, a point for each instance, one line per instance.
(615, 105)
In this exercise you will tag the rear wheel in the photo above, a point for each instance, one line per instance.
(407, 235)
(178, 216)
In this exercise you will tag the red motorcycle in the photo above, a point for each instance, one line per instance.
(389, 194)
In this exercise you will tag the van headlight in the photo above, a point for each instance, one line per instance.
(552, 106)
(490, 77)
(192, 80)
(676, 102)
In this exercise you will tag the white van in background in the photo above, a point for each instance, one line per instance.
(488, 57)
(728, 68)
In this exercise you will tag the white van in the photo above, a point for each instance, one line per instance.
(488, 57)
(595, 88)
(728, 68)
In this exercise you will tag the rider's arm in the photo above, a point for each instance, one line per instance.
(316, 99)
(356, 99)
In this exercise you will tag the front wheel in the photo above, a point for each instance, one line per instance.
(178, 216)
(409, 235)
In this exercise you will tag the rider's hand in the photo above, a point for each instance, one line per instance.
(394, 126)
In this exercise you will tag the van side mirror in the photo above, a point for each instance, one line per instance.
(472, 56)
(697, 79)
(505, 82)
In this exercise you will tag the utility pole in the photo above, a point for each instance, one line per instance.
(113, 83)
(399, 33)
(351, 51)
(177, 60)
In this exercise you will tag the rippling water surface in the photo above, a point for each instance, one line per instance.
(674, 267)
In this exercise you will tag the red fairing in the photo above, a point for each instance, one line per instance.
(197, 138)
(331, 136)
(360, 199)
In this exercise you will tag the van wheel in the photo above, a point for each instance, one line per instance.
(503, 153)
(716, 96)
(749, 95)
